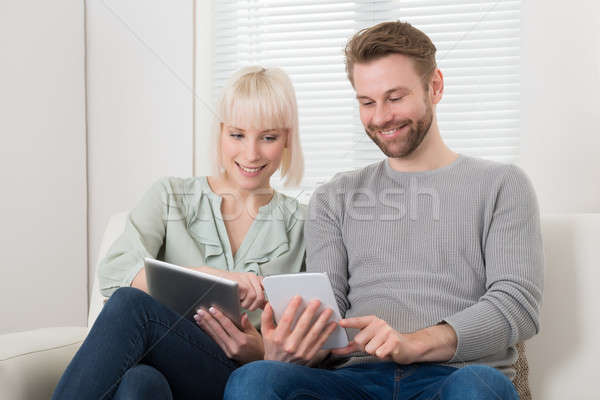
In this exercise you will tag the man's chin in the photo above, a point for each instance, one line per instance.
(396, 151)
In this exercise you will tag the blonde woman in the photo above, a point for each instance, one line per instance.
(231, 224)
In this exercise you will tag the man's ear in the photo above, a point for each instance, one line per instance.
(436, 86)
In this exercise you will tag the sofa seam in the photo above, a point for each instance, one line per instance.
(41, 351)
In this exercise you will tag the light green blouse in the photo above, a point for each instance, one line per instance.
(179, 221)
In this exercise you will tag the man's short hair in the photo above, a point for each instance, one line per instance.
(393, 37)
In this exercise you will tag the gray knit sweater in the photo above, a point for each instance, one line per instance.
(460, 244)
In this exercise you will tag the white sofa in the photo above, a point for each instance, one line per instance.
(562, 359)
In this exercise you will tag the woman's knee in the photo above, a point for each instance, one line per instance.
(478, 382)
(127, 294)
(143, 382)
(126, 299)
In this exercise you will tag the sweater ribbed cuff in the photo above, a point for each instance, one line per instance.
(481, 330)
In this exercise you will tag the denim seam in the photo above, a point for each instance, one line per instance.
(124, 368)
(226, 362)
(397, 379)
(305, 392)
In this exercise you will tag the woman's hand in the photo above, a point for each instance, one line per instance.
(243, 346)
(250, 286)
(302, 344)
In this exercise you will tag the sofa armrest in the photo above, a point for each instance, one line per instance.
(32, 362)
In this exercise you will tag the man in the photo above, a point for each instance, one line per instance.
(435, 258)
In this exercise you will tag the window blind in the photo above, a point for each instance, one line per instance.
(478, 52)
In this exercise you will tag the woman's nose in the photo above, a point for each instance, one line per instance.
(252, 152)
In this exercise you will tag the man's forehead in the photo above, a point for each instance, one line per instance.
(389, 73)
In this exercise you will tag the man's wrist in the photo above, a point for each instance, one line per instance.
(434, 344)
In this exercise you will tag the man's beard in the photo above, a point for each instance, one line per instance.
(402, 146)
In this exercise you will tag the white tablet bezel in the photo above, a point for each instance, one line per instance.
(280, 290)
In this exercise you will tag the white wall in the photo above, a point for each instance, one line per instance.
(42, 165)
(561, 103)
(204, 104)
(139, 76)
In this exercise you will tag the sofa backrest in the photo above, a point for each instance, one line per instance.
(563, 357)
(114, 228)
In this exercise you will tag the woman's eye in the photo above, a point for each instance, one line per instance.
(270, 138)
(236, 135)
(366, 103)
(395, 99)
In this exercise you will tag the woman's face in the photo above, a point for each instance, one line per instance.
(251, 156)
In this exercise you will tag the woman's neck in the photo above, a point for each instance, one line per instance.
(234, 197)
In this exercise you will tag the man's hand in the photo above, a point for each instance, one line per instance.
(302, 344)
(243, 346)
(434, 344)
(250, 286)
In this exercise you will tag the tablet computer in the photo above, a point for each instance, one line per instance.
(280, 290)
(184, 290)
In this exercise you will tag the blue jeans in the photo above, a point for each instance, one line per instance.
(382, 380)
(139, 349)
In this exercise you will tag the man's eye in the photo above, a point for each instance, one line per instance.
(366, 103)
(395, 99)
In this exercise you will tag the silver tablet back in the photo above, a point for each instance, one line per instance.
(184, 290)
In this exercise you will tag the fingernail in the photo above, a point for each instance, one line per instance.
(200, 313)
(212, 310)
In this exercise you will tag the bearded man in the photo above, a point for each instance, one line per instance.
(435, 258)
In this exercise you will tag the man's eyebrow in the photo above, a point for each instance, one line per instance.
(387, 92)
(397, 89)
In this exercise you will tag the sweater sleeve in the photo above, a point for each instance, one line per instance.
(508, 312)
(143, 237)
(325, 249)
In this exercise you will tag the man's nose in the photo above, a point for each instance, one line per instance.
(382, 115)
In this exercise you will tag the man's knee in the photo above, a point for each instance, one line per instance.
(478, 382)
(258, 380)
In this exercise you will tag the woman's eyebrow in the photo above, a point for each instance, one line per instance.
(235, 128)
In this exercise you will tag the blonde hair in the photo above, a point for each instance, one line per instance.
(261, 98)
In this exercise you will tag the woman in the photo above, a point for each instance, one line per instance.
(231, 224)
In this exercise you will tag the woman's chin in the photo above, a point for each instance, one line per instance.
(251, 184)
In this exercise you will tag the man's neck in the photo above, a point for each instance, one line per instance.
(431, 154)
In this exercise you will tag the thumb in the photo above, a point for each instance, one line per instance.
(266, 319)
(246, 324)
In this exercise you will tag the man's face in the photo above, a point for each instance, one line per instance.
(395, 109)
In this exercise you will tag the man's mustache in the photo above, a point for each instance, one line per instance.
(389, 125)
